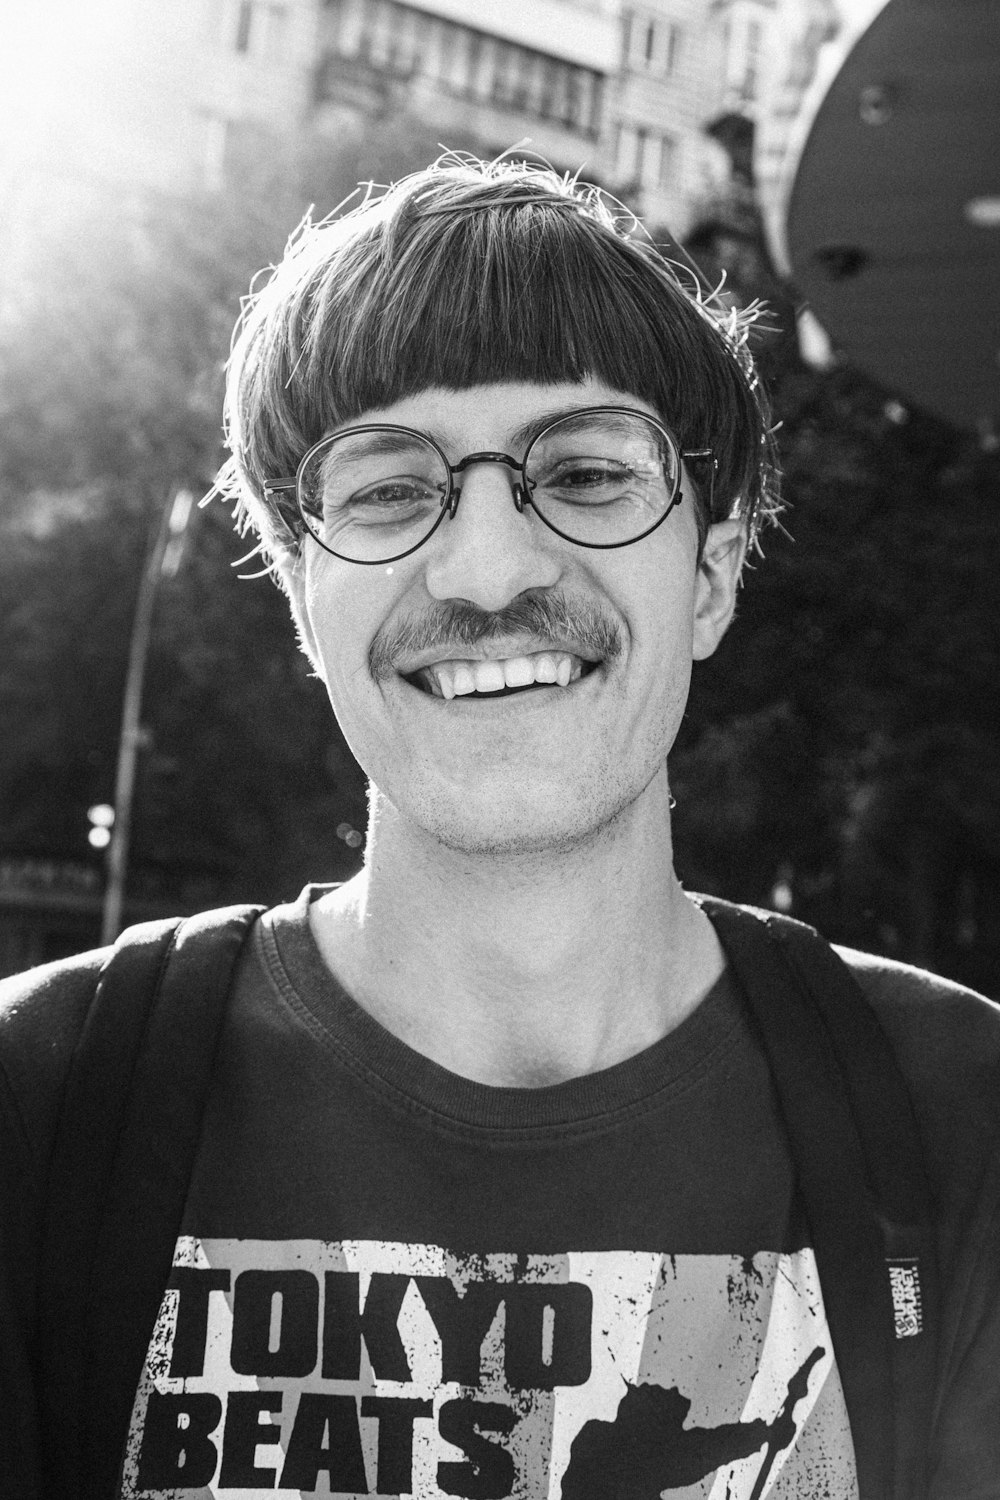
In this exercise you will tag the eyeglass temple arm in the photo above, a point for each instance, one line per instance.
(285, 486)
(705, 453)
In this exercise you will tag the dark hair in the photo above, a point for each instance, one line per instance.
(472, 273)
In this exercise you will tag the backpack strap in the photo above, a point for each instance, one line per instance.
(124, 1149)
(856, 1146)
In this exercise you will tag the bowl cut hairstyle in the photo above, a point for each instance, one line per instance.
(471, 273)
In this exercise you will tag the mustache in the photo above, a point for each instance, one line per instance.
(456, 624)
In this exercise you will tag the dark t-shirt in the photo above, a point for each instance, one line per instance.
(392, 1280)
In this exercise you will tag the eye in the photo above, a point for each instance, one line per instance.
(581, 473)
(584, 470)
(389, 499)
(586, 480)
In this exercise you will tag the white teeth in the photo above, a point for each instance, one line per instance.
(441, 681)
(456, 679)
(464, 680)
(488, 676)
(518, 671)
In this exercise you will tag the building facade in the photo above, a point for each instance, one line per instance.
(622, 92)
(140, 94)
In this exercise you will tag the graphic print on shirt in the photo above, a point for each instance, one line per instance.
(373, 1368)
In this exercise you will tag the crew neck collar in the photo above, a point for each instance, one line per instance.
(593, 1100)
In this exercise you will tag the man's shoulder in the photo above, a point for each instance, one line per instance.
(49, 997)
(924, 1013)
(946, 1040)
(48, 1003)
(42, 1012)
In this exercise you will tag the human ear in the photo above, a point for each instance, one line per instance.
(716, 585)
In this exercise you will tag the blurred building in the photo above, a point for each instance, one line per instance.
(147, 94)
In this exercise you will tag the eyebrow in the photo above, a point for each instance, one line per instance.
(370, 443)
(522, 435)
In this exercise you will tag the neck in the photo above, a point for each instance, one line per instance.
(523, 970)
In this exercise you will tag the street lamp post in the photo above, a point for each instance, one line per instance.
(161, 559)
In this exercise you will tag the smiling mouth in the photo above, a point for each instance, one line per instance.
(500, 678)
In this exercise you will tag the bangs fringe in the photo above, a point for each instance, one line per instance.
(467, 276)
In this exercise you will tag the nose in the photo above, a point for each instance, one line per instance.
(488, 552)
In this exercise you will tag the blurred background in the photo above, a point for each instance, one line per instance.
(162, 746)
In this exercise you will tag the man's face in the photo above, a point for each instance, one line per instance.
(547, 765)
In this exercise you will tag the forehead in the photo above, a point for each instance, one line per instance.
(498, 415)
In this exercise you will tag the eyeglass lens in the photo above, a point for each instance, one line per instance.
(601, 479)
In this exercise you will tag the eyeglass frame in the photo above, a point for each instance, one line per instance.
(521, 491)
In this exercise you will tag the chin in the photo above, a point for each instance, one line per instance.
(513, 821)
(509, 840)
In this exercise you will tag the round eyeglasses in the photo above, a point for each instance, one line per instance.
(602, 476)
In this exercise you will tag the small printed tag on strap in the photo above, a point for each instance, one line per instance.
(907, 1304)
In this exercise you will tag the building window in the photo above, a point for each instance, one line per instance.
(260, 29)
(745, 40)
(574, 98)
(506, 71)
(350, 28)
(652, 44)
(401, 40)
(673, 47)
(751, 65)
(645, 157)
(565, 93)
(379, 34)
(443, 58)
(406, 37)
(479, 65)
(454, 53)
(528, 93)
(663, 163)
(244, 25)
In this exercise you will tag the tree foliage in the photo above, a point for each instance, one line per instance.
(842, 746)
(111, 365)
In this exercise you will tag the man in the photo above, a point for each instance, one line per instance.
(500, 1188)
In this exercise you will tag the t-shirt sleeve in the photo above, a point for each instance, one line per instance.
(41, 1013)
(947, 1041)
